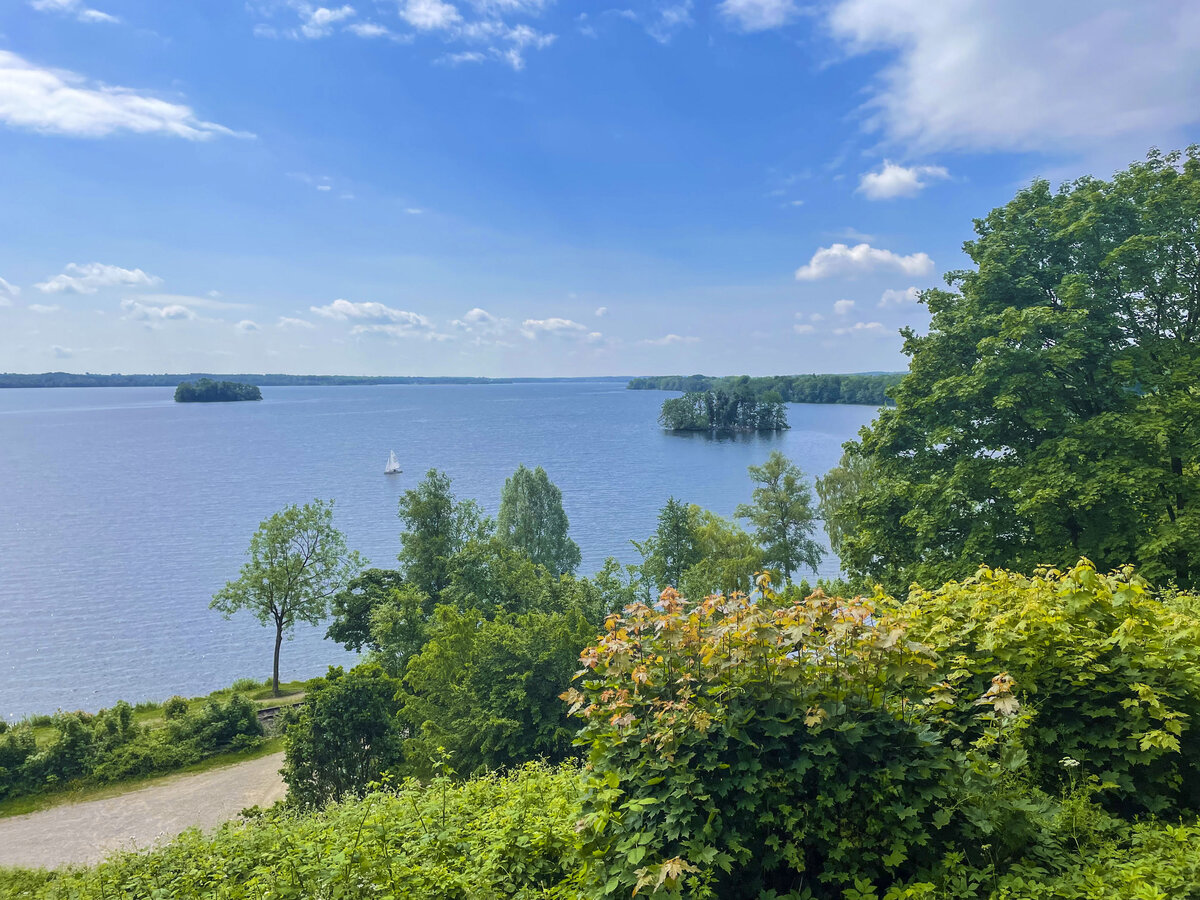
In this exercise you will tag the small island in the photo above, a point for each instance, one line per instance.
(208, 391)
(722, 410)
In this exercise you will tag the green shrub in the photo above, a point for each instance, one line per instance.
(344, 737)
(1112, 673)
(509, 836)
(175, 708)
(214, 726)
(245, 685)
(759, 747)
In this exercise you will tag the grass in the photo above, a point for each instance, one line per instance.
(19, 806)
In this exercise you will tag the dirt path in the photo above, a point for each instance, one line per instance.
(86, 832)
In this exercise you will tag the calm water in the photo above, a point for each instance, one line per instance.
(123, 511)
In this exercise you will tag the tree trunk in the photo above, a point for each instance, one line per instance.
(275, 671)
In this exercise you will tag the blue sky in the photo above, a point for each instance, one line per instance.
(532, 187)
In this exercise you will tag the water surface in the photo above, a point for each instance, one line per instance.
(121, 512)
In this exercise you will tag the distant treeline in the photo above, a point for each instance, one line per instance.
(723, 410)
(867, 389)
(208, 391)
(67, 379)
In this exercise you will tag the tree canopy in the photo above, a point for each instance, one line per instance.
(297, 562)
(437, 526)
(532, 520)
(208, 391)
(783, 516)
(1053, 409)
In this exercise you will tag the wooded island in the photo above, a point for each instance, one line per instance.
(208, 391)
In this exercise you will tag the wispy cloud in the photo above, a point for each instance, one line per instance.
(843, 307)
(862, 329)
(55, 101)
(289, 322)
(668, 340)
(75, 9)
(143, 312)
(558, 328)
(8, 293)
(758, 15)
(844, 260)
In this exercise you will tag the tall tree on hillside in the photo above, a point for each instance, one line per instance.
(674, 547)
(783, 516)
(838, 492)
(437, 526)
(532, 521)
(1053, 409)
(297, 562)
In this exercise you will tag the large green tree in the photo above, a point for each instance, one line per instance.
(297, 562)
(1053, 409)
(783, 516)
(437, 526)
(673, 548)
(532, 520)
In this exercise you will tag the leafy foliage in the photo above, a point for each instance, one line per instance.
(437, 526)
(110, 746)
(1113, 673)
(494, 836)
(783, 516)
(750, 746)
(487, 691)
(532, 521)
(297, 562)
(1049, 413)
(351, 608)
(345, 736)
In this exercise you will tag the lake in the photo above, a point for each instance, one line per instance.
(123, 511)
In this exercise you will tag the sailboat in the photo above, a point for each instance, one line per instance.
(393, 464)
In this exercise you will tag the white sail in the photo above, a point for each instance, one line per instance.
(393, 464)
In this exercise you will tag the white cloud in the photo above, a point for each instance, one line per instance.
(320, 21)
(669, 19)
(899, 298)
(1026, 74)
(758, 15)
(73, 8)
(369, 30)
(556, 327)
(842, 307)
(429, 15)
(8, 292)
(457, 59)
(210, 301)
(862, 328)
(376, 318)
(55, 101)
(41, 308)
(413, 211)
(142, 312)
(892, 181)
(668, 339)
(90, 277)
(601, 312)
(61, 352)
(288, 322)
(844, 260)
(803, 329)
(511, 7)
(246, 326)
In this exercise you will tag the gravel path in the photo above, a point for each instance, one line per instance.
(76, 833)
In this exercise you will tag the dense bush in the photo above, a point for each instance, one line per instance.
(344, 737)
(756, 747)
(1111, 673)
(495, 836)
(110, 746)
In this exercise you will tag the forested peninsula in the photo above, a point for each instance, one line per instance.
(869, 389)
(208, 391)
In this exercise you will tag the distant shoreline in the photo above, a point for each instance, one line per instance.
(67, 379)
